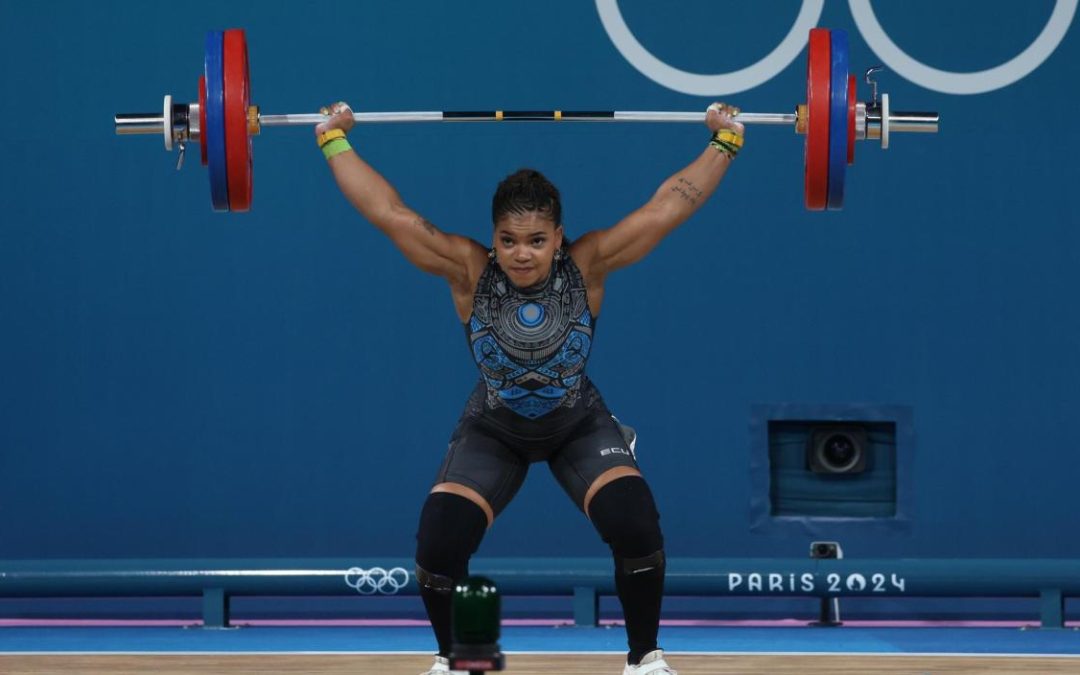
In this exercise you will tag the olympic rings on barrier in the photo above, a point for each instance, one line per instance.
(377, 580)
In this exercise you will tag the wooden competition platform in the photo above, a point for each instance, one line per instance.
(530, 664)
(536, 649)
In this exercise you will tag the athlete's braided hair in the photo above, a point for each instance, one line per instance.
(524, 191)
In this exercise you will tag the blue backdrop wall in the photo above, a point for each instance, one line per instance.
(175, 382)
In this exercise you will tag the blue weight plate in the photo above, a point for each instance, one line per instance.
(838, 118)
(215, 121)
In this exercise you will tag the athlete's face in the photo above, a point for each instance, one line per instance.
(525, 245)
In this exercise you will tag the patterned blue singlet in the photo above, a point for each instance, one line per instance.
(531, 344)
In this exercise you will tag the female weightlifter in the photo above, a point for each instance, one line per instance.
(529, 304)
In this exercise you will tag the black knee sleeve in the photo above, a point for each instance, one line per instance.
(625, 515)
(451, 528)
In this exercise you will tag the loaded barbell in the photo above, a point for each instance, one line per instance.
(224, 120)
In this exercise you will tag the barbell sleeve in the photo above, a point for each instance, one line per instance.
(913, 122)
(138, 123)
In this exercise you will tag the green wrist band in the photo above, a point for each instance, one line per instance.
(729, 149)
(335, 147)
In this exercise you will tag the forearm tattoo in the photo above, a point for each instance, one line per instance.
(426, 224)
(687, 190)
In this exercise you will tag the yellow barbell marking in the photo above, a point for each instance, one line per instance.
(498, 115)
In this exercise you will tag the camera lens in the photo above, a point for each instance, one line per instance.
(839, 450)
(838, 453)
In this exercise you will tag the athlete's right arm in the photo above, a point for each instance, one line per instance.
(423, 244)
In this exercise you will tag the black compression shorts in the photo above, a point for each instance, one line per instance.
(492, 460)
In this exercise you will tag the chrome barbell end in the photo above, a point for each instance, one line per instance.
(176, 124)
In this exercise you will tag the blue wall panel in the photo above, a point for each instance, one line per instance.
(175, 382)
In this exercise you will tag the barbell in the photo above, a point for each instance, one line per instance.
(223, 120)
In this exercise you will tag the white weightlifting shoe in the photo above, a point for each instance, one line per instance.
(442, 667)
(653, 662)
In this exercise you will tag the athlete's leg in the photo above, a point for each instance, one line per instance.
(625, 515)
(600, 473)
(478, 478)
(450, 531)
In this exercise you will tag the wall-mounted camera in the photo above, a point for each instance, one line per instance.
(837, 450)
(821, 461)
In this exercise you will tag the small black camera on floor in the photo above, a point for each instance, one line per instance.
(825, 550)
(828, 608)
(837, 450)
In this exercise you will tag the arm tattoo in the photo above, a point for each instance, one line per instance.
(687, 190)
(426, 224)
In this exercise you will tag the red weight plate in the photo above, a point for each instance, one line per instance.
(818, 74)
(202, 119)
(237, 140)
(851, 120)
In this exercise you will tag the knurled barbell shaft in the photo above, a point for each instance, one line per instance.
(527, 116)
(152, 123)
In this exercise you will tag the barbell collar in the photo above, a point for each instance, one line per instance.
(913, 122)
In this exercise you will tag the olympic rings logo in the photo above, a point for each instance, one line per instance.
(946, 82)
(377, 580)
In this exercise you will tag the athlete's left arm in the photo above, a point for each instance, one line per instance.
(678, 197)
